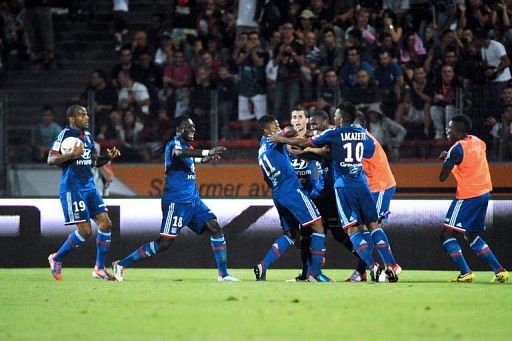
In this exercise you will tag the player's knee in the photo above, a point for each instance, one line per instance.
(105, 226)
(84, 230)
(213, 227)
(164, 243)
(469, 237)
(447, 234)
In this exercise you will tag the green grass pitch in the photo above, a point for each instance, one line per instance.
(166, 304)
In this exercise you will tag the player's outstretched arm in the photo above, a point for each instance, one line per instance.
(56, 158)
(293, 141)
(214, 153)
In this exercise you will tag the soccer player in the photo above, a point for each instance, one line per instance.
(467, 161)
(78, 195)
(292, 202)
(348, 144)
(324, 198)
(181, 204)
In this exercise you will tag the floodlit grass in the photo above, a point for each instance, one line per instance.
(191, 304)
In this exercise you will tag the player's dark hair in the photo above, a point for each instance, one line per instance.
(348, 112)
(324, 116)
(178, 121)
(462, 122)
(300, 108)
(264, 121)
(360, 119)
(72, 110)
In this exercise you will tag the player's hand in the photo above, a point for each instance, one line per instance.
(113, 152)
(217, 151)
(443, 154)
(77, 150)
(289, 131)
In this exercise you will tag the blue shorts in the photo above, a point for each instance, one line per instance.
(355, 206)
(81, 206)
(296, 209)
(382, 200)
(467, 214)
(177, 215)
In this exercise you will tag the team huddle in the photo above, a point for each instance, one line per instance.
(336, 178)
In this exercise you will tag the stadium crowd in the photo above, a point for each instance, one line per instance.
(408, 65)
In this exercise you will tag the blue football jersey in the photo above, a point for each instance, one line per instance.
(180, 173)
(306, 171)
(276, 167)
(76, 173)
(348, 145)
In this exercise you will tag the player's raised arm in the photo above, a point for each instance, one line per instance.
(203, 153)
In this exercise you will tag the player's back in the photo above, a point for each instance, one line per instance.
(276, 167)
(377, 169)
(348, 145)
(472, 174)
(180, 173)
(76, 173)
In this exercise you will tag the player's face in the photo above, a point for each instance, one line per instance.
(81, 119)
(188, 130)
(299, 121)
(272, 128)
(317, 125)
(451, 132)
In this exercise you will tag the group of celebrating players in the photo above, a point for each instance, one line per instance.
(328, 177)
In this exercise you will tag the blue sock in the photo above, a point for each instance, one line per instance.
(102, 247)
(367, 236)
(74, 240)
(278, 248)
(219, 251)
(317, 253)
(362, 248)
(480, 247)
(145, 251)
(381, 242)
(452, 248)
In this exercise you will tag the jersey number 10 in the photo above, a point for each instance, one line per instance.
(358, 152)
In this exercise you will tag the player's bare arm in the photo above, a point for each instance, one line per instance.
(293, 141)
(57, 158)
(215, 152)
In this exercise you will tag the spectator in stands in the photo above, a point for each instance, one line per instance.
(43, 135)
(184, 14)
(151, 77)
(412, 53)
(305, 25)
(226, 95)
(435, 53)
(321, 10)
(387, 44)
(163, 54)
(206, 60)
(140, 46)
(182, 98)
(392, 25)
(348, 73)
(105, 97)
(414, 111)
(389, 133)
(443, 101)
(331, 55)
(177, 75)
(208, 19)
(252, 92)
(362, 23)
(119, 12)
(155, 31)
(14, 43)
(289, 56)
(365, 94)
(330, 95)
(502, 137)
(130, 138)
(200, 102)
(355, 40)
(495, 60)
(479, 15)
(133, 96)
(390, 80)
(310, 69)
(126, 64)
(39, 26)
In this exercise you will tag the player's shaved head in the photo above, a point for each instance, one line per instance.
(72, 111)
(462, 123)
(347, 112)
